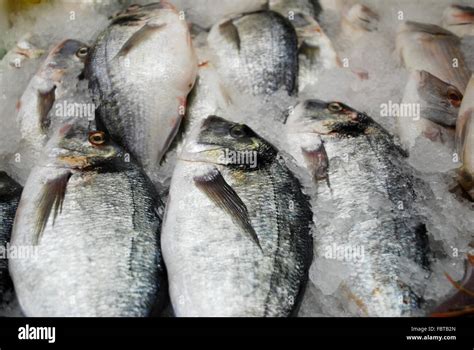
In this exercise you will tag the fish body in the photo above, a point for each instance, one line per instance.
(459, 20)
(141, 70)
(92, 222)
(10, 193)
(256, 53)
(367, 194)
(236, 238)
(438, 104)
(465, 140)
(58, 74)
(435, 50)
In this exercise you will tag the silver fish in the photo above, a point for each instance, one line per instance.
(435, 50)
(465, 140)
(59, 73)
(256, 53)
(91, 220)
(235, 238)
(10, 193)
(141, 70)
(315, 49)
(438, 104)
(459, 20)
(361, 177)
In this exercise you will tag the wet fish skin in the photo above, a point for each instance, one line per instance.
(465, 140)
(459, 20)
(140, 96)
(438, 103)
(10, 193)
(315, 50)
(433, 49)
(369, 185)
(59, 72)
(94, 221)
(256, 53)
(235, 239)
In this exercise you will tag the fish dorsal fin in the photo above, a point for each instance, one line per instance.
(50, 202)
(223, 195)
(138, 37)
(45, 103)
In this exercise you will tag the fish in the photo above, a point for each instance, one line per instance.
(256, 53)
(10, 192)
(59, 73)
(361, 177)
(436, 50)
(459, 20)
(438, 104)
(465, 140)
(315, 50)
(141, 69)
(92, 219)
(358, 20)
(461, 302)
(236, 236)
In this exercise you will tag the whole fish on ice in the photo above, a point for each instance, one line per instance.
(94, 219)
(236, 238)
(366, 197)
(141, 70)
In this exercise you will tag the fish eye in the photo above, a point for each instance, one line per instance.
(237, 132)
(334, 107)
(454, 97)
(97, 138)
(82, 52)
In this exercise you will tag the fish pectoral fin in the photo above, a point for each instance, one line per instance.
(214, 186)
(50, 202)
(45, 103)
(138, 37)
(462, 302)
(317, 161)
(231, 34)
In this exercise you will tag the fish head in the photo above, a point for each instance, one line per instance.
(75, 147)
(327, 118)
(217, 140)
(362, 18)
(439, 101)
(66, 58)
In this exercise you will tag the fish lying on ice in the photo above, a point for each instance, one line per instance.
(465, 140)
(59, 72)
(10, 193)
(315, 50)
(236, 238)
(256, 53)
(433, 49)
(141, 70)
(459, 20)
(361, 178)
(438, 104)
(93, 219)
